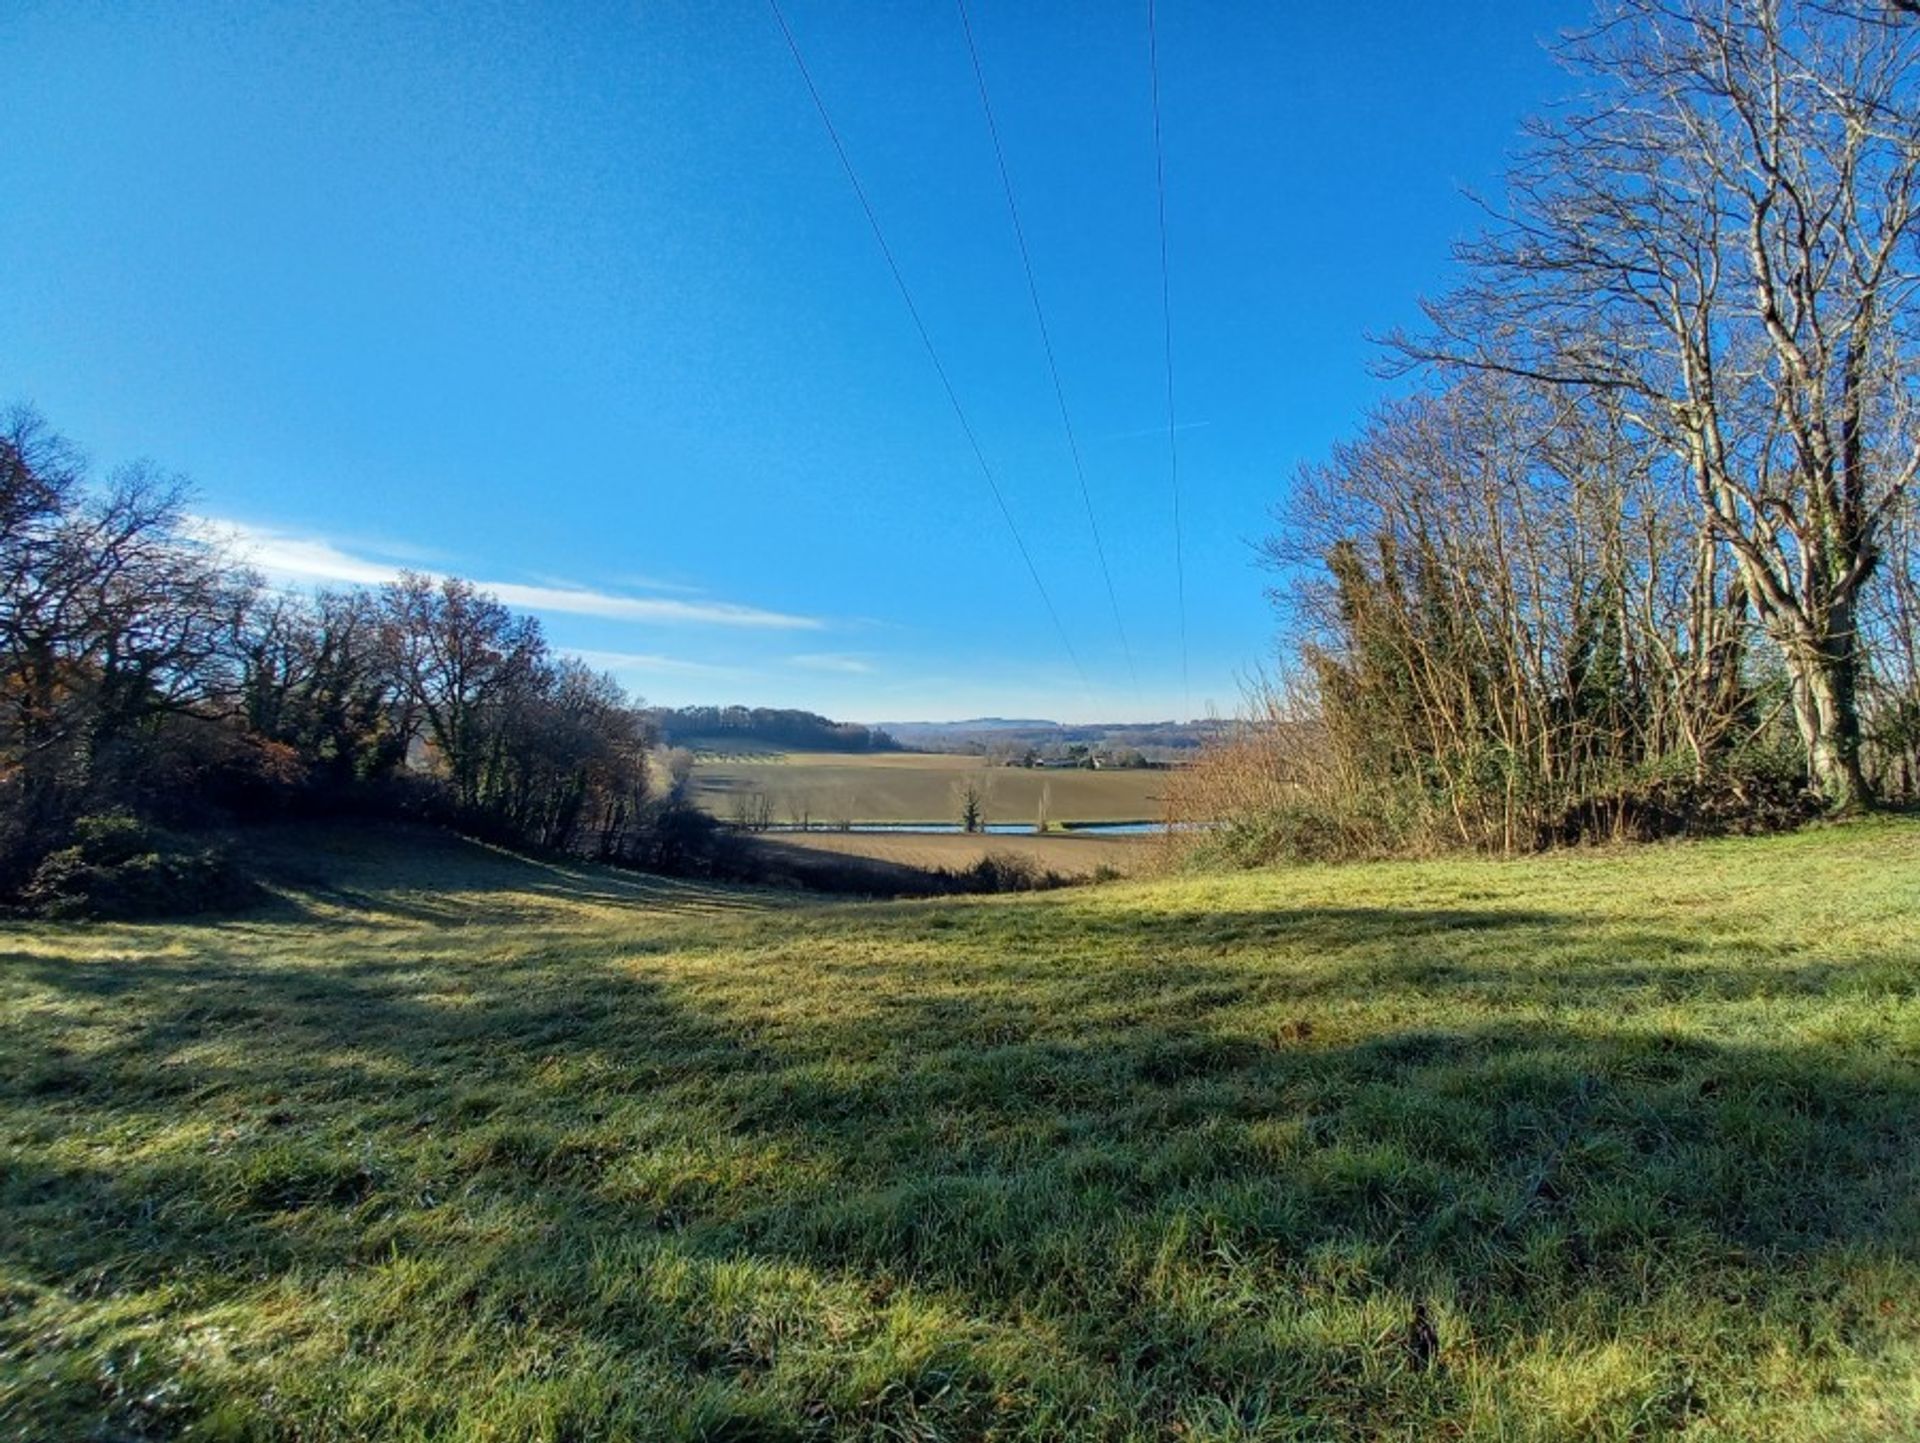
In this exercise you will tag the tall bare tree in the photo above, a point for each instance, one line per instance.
(1722, 235)
(462, 656)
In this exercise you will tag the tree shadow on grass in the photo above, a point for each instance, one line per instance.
(1179, 1178)
(400, 874)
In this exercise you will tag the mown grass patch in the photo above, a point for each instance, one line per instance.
(452, 1146)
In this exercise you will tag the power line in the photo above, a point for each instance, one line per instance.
(926, 339)
(1166, 321)
(1046, 341)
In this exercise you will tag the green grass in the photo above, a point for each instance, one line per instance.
(448, 1146)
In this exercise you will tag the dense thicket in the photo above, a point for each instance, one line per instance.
(145, 673)
(1638, 553)
(768, 726)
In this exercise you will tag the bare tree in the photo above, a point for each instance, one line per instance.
(461, 653)
(109, 611)
(316, 675)
(1723, 237)
(114, 619)
(752, 811)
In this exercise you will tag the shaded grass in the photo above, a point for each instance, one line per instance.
(454, 1146)
(1070, 854)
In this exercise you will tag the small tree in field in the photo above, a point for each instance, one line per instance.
(973, 806)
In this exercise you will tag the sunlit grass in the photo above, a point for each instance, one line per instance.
(451, 1146)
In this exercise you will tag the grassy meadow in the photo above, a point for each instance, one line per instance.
(828, 787)
(446, 1145)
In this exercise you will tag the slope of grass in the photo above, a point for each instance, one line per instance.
(450, 1146)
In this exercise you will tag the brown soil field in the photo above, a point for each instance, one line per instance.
(828, 787)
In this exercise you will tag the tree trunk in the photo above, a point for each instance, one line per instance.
(1825, 705)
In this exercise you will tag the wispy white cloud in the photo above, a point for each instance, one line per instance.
(833, 661)
(579, 601)
(651, 663)
(311, 559)
(632, 581)
(293, 557)
(641, 582)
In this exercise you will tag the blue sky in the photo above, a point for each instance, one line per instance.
(574, 300)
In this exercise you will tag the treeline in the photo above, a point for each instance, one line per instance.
(146, 674)
(770, 726)
(1638, 553)
(1000, 740)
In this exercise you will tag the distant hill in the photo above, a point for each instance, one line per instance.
(975, 724)
(776, 727)
(747, 728)
(1161, 741)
